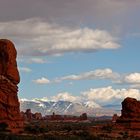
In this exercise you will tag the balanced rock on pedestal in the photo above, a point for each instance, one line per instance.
(9, 78)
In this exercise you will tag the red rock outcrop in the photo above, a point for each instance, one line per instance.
(130, 115)
(9, 78)
(130, 108)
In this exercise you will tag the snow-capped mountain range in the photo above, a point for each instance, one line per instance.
(66, 107)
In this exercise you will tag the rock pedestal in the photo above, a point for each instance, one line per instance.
(9, 78)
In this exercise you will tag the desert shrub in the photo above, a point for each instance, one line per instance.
(3, 126)
(125, 135)
(35, 129)
(107, 128)
(31, 129)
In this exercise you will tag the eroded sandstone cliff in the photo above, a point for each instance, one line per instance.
(9, 78)
(130, 114)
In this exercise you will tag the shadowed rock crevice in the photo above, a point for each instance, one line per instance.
(3, 58)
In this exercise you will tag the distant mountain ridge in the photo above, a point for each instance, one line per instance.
(65, 107)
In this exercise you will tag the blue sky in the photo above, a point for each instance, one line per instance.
(75, 48)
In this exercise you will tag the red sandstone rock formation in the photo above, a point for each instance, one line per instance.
(130, 109)
(130, 116)
(9, 78)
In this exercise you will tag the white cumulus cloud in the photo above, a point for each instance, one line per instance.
(91, 75)
(42, 80)
(64, 96)
(37, 60)
(30, 60)
(108, 95)
(38, 37)
(96, 97)
(133, 78)
(96, 74)
(24, 69)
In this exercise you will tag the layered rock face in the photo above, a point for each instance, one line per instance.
(130, 109)
(9, 78)
(130, 116)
